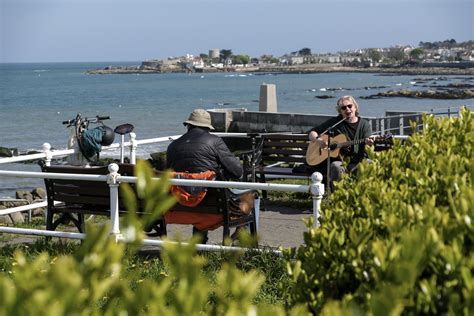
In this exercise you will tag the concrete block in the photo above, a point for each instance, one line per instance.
(268, 100)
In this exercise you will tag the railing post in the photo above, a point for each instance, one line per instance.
(382, 126)
(133, 148)
(122, 149)
(256, 208)
(317, 191)
(114, 201)
(49, 155)
(400, 124)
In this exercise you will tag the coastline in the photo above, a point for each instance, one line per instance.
(296, 69)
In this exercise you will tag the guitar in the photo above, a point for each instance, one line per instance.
(315, 154)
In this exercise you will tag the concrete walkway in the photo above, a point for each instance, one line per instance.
(279, 226)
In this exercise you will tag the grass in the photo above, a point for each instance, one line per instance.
(297, 200)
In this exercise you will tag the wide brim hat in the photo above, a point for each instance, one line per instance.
(199, 117)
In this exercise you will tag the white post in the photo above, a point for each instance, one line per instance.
(256, 208)
(114, 202)
(317, 191)
(122, 139)
(133, 148)
(400, 124)
(49, 155)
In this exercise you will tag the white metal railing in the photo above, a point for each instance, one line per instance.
(384, 124)
(316, 189)
(47, 154)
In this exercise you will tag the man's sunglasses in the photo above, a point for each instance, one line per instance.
(344, 107)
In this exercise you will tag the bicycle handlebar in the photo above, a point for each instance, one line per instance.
(97, 119)
(69, 121)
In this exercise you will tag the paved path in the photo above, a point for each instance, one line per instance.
(279, 226)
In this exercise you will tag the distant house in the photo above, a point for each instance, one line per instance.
(326, 58)
(296, 60)
(350, 59)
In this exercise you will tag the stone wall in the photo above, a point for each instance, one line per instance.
(243, 121)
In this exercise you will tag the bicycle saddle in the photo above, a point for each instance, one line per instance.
(124, 129)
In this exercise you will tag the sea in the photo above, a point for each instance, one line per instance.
(36, 97)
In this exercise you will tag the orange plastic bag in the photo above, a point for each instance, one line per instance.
(188, 195)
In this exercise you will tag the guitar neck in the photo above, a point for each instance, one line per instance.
(351, 142)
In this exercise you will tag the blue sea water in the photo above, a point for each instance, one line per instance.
(36, 98)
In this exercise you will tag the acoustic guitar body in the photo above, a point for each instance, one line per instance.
(315, 154)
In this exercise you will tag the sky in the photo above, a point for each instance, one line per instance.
(137, 30)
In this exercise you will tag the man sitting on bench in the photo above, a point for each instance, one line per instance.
(200, 151)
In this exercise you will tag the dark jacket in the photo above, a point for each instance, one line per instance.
(356, 153)
(198, 151)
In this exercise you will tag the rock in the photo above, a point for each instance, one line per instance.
(324, 96)
(17, 218)
(450, 94)
(38, 212)
(5, 219)
(38, 194)
(25, 195)
(8, 152)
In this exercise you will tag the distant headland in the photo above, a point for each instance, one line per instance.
(297, 69)
(430, 58)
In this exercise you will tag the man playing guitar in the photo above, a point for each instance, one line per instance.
(353, 127)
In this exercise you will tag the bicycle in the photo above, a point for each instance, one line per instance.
(87, 142)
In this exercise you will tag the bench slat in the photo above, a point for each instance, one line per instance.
(285, 159)
(285, 145)
(302, 137)
(283, 152)
(80, 190)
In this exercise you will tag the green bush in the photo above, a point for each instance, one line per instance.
(398, 237)
(94, 280)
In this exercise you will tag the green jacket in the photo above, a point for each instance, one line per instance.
(357, 152)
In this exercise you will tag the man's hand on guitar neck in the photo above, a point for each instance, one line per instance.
(369, 141)
(314, 137)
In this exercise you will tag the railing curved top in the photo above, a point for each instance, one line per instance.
(184, 182)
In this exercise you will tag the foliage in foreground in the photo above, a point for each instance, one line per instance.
(398, 238)
(96, 279)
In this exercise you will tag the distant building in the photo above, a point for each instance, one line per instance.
(295, 60)
(214, 53)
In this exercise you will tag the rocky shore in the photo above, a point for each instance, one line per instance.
(299, 69)
(450, 94)
(23, 198)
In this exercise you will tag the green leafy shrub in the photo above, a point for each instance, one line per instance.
(94, 280)
(398, 238)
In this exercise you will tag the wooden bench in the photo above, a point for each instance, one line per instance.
(275, 156)
(78, 197)
(280, 153)
(81, 198)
